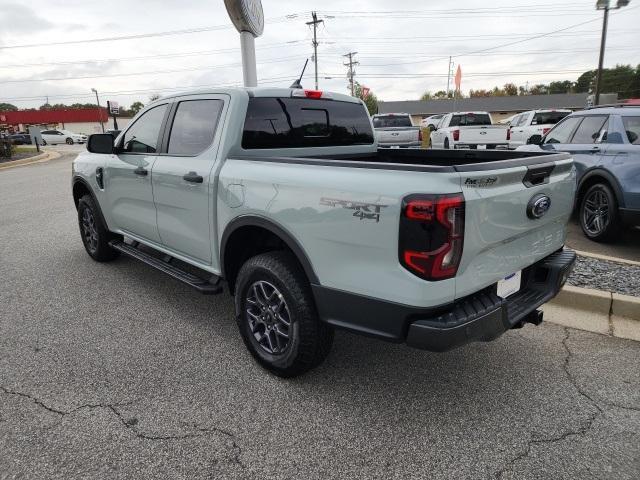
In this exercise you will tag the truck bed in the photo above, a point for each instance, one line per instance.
(431, 160)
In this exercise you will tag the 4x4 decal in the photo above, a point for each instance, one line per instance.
(362, 210)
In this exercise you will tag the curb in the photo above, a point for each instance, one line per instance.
(598, 256)
(43, 157)
(596, 311)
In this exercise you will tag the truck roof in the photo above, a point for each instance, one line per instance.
(258, 92)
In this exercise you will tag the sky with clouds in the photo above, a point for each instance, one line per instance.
(403, 46)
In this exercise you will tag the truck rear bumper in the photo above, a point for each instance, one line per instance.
(482, 316)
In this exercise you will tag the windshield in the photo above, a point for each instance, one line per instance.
(548, 118)
(391, 121)
(470, 119)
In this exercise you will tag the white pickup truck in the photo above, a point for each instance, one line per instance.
(395, 130)
(468, 130)
(282, 197)
(534, 122)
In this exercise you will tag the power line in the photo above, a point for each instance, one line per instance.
(144, 35)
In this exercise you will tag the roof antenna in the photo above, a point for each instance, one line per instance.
(297, 83)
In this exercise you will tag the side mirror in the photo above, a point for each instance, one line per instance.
(432, 127)
(535, 140)
(100, 143)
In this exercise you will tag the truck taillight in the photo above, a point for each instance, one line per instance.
(313, 94)
(456, 135)
(545, 130)
(432, 235)
(508, 134)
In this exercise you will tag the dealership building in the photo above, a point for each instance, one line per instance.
(499, 107)
(87, 121)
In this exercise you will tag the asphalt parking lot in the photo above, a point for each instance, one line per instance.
(116, 371)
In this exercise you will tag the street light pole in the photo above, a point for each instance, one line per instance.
(604, 5)
(99, 109)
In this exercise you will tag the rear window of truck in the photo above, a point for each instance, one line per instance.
(301, 122)
(470, 119)
(392, 121)
(548, 118)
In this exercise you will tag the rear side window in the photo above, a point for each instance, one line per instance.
(143, 135)
(391, 121)
(470, 119)
(548, 118)
(563, 130)
(194, 126)
(301, 122)
(632, 128)
(589, 130)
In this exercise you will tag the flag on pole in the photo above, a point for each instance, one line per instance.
(458, 78)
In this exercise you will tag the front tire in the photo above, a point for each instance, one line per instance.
(44, 142)
(94, 233)
(69, 141)
(276, 315)
(599, 217)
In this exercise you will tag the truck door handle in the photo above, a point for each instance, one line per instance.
(193, 177)
(141, 171)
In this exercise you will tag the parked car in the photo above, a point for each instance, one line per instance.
(53, 137)
(605, 145)
(20, 139)
(395, 130)
(468, 130)
(533, 122)
(284, 194)
(431, 121)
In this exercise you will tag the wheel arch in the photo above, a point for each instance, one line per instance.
(598, 175)
(249, 235)
(80, 187)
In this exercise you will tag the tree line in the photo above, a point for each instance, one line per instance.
(623, 80)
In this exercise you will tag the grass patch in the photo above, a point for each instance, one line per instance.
(24, 149)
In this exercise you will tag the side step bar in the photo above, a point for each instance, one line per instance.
(203, 286)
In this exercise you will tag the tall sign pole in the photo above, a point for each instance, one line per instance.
(248, 18)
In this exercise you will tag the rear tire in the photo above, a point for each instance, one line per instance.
(598, 213)
(94, 233)
(277, 317)
(44, 142)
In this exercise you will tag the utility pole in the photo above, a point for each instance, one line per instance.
(449, 72)
(351, 63)
(99, 108)
(606, 6)
(315, 23)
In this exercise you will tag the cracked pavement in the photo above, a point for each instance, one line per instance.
(117, 371)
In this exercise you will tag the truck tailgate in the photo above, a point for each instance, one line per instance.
(503, 233)
(482, 135)
(397, 135)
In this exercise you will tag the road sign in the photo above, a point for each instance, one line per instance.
(114, 107)
(248, 18)
(246, 15)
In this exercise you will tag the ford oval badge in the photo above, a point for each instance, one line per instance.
(538, 206)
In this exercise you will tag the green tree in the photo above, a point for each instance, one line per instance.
(564, 86)
(136, 107)
(7, 107)
(426, 96)
(481, 92)
(371, 101)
